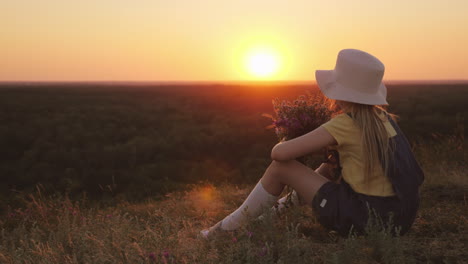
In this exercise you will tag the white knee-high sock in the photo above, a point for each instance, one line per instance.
(284, 203)
(252, 207)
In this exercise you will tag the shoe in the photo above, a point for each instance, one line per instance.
(209, 232)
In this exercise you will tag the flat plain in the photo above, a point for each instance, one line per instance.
(129, 173)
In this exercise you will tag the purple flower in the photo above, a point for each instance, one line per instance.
(263, 251)
(298, 117)
(280, 122)
(152, 256)
(234, 239)
(249, 234)
(165, 253)
(296, 124)
(305, 117)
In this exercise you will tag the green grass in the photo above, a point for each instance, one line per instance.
(55, 229)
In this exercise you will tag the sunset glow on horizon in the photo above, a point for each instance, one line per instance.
(210, 40)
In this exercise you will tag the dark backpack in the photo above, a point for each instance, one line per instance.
(404, 172)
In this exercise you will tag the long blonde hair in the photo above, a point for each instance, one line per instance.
(376, 145)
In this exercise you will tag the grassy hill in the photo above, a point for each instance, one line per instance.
(58, 230)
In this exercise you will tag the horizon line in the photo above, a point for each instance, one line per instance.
(221, 82)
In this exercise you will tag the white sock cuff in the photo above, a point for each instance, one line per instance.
(265, 192)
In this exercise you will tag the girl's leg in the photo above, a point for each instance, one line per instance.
(253, 206)
(305, 181)
(301, 178)
(294, 199)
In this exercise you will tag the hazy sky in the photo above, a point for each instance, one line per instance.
(208, 39)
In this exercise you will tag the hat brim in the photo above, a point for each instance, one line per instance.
(326, 81)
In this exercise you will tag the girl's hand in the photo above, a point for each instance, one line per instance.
(333, 164)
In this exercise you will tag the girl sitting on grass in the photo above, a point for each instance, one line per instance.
(379, 173)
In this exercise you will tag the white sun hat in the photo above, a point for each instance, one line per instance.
(357, 78)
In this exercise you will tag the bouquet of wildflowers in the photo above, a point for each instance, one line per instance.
(298, 117)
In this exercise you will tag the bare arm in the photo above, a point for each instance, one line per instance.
(300, 146)
(325, 170)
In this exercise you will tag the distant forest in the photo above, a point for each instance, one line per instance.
(141, 141)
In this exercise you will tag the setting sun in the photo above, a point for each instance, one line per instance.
(263, 63)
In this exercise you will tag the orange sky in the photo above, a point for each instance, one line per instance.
(187, 40)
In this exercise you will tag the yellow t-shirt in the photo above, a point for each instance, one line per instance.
(348, 136)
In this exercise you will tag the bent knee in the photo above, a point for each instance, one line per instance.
(281, 167)
(281, 164)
